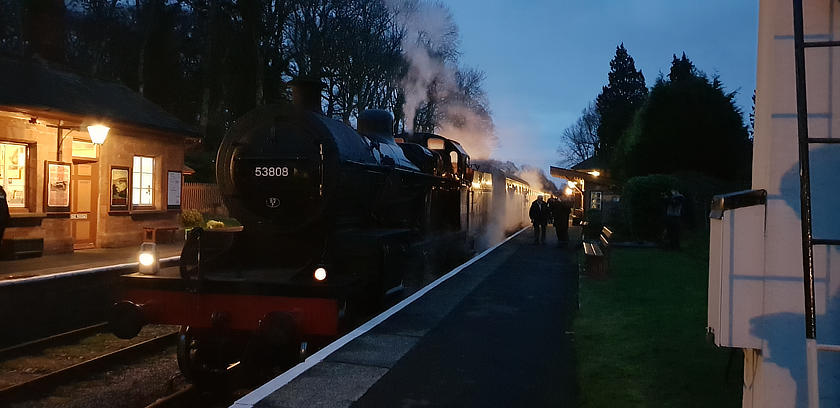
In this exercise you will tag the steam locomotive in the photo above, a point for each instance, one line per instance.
(331, 219)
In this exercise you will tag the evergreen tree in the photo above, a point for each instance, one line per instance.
(682, 69)
(618, 101)
(688, 123)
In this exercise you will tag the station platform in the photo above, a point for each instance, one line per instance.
(493, 332)
(80, 260)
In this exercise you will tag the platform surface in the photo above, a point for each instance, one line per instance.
(81, 259)
(497, 334)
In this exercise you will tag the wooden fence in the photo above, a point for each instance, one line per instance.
(204, 197)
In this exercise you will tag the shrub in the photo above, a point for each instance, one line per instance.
(643, 204)
(191, 218)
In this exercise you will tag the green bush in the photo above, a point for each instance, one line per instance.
(191, 218)
(643, 204)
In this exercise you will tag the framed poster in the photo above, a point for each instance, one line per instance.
(119, 187)
(57, 189)
(173, 190)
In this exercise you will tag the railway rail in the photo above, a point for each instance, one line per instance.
(34, 386)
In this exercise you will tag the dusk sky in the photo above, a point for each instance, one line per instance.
(546, 59)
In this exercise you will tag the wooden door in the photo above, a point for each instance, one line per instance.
(84, 193)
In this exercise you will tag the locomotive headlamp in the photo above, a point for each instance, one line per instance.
(320, 274)
(148, 258)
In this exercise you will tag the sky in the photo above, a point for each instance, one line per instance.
(545, 60)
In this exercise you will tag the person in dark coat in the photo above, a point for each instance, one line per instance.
(673, 215)
(4, 214)
(539, 217)
(560, 210)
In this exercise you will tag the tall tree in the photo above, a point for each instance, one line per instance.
(619, 99)
(681, 69)
(688, 123)
(580, 140)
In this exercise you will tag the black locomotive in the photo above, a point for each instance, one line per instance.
(329, 219)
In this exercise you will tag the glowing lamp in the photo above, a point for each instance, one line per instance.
(98, 133)
(148, 259)
(320, 274)
(595, 173)
(568, 191)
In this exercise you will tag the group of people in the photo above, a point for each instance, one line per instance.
(555, 210)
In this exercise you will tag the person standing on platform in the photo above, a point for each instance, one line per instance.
(560, 210)
(539, 217)
(4, 214)
(673, 216)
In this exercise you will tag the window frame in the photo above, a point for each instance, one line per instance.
(24, 176)
(136, 180)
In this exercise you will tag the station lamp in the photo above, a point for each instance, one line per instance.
(98, 133)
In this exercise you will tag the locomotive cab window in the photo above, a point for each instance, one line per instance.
(453, 158)
(142, 189)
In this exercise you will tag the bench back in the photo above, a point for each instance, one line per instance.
(605, 238)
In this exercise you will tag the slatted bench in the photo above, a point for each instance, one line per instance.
(597, 254)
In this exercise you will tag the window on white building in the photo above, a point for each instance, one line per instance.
(142, 181)
(13, 173)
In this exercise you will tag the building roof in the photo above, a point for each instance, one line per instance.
(592, 163)
(31, 85)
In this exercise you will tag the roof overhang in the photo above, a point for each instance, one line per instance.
(72, 119)
(574, 175)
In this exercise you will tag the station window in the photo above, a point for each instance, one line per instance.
(596, 200)
(142, 181)
(13, 173)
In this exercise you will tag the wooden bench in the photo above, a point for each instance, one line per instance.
(153, 234)
(597, 254)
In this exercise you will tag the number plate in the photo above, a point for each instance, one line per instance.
(273, 171)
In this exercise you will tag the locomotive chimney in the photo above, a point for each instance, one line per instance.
(306, 93)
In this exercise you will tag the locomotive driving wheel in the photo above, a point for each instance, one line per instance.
(198, 360)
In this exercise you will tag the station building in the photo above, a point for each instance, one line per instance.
(590, 184)
(68, 189)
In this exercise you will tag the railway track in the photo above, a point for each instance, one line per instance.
(38, 385)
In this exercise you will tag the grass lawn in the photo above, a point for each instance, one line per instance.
(640, 335)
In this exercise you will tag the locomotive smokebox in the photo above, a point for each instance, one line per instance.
(306, 93)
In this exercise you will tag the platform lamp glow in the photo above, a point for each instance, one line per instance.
(149, 262)
(98, 133)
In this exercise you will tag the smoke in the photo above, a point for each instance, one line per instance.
(475, 132)
(433, 81)
(537, 179)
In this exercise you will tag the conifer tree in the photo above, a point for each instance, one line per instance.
(618, 101)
